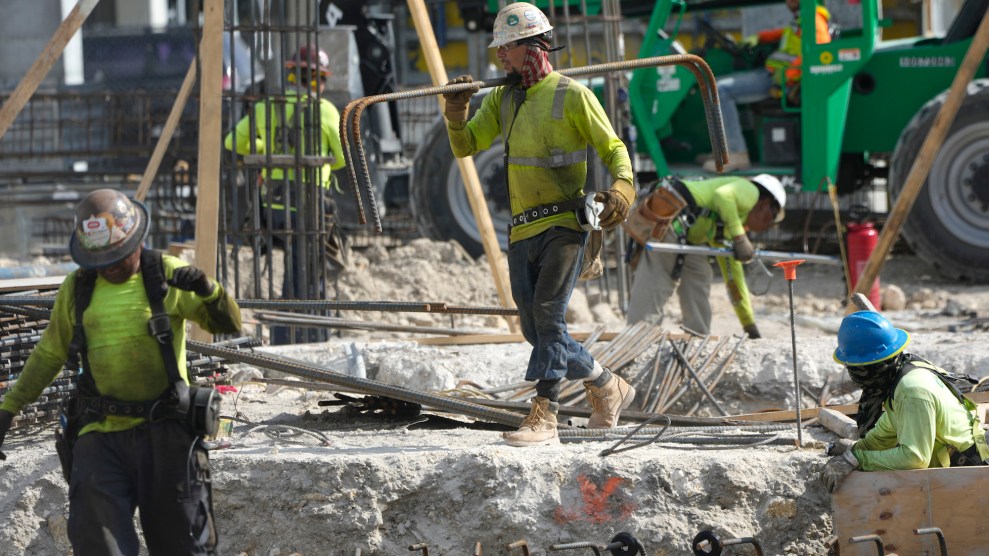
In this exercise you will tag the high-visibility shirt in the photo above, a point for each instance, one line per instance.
(264, 139)
(729, 200)
(547, 140)
(124, 358)
(917, 428)
(786, 61)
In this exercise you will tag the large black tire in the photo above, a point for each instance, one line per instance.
(948, 225)
(439, 201)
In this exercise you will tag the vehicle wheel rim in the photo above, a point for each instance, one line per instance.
(961, 171)
(489, 171)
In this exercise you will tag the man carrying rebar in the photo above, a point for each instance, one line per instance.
(546, 121)
(715, 210)
(132, 430)
(305, 125)
(911, 413)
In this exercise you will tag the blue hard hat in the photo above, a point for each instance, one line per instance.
(867, 337)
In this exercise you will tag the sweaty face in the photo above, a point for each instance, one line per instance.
(120, 272)
(511, 56)
(762, 215)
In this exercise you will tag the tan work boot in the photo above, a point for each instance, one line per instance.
(608, 401)
(736, 161)
(539, 427)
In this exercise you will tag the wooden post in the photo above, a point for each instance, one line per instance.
(925, 157)
(29, 83)
(468, 171)
(166, 135)
(208, 178)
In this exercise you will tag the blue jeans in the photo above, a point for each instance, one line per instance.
(743, 87)
(543, 272)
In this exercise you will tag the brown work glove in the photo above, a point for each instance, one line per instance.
(837, 468)
(616, 202)
(744, 252)
(752, 330)
(455, 107)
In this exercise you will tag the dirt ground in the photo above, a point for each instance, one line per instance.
(297, 477)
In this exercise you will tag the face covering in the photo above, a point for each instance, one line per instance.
(535, 66)
(876, 382)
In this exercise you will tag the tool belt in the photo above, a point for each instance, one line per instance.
(532, 214)
(653, 214)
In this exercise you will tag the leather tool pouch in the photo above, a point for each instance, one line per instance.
(650, 217)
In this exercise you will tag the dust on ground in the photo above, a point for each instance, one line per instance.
(331, 481)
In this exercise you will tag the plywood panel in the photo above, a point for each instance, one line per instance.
(892, 504)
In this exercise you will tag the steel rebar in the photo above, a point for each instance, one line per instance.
(351, 139)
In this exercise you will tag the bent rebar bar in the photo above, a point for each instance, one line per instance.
(350, 131)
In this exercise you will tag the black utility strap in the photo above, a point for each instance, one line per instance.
(160, 326)
(78, 356)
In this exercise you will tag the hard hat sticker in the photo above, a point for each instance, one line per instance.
(95, 233)
(512, 20)
(530, 15)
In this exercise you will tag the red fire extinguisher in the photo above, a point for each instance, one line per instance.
(862, 240)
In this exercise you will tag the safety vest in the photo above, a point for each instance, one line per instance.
(789, 50)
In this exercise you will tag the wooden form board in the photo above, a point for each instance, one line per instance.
(892, 504)
(25, 284)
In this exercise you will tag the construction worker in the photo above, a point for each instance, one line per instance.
(546, 121)
(717, 210)
(910, 412)
(133, 427)
(782, 71)
(265, 131)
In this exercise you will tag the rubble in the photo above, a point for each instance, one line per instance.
(385, 483)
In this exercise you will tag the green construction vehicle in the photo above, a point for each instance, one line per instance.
(865, 106)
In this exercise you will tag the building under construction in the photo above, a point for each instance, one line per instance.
(381, 357)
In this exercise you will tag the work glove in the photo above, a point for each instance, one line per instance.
(455, 107)
(839, 447)
(744, 252)
(616, 202)
(191, 279)
(6, 418)
(750, 41)
(837, 469)
(753, 331)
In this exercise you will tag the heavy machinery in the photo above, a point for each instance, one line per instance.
(865, 105)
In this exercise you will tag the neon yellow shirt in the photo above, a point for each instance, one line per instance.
(730, 200)
(125, 360)
(548, 143)
(916, 429)
(329, 124)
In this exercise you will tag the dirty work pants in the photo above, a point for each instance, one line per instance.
(652, 287)
(743, 87)
(543, 271)
(161, 469)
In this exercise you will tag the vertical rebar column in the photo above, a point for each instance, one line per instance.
(790, 273)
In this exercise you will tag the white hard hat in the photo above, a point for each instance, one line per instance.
(775, 188)
(516, 21)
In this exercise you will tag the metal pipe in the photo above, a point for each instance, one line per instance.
(351, 114)
(314, 321)
(940, 537)
(362, 384)
(700, 383)
(725, 252)
(880, 549)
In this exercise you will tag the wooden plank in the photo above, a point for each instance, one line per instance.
(40, 68)
(210, 110)
(472, 184)
(925, 157)
(25, 284)
(811, 412)
(166, 134)
(892, 504)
